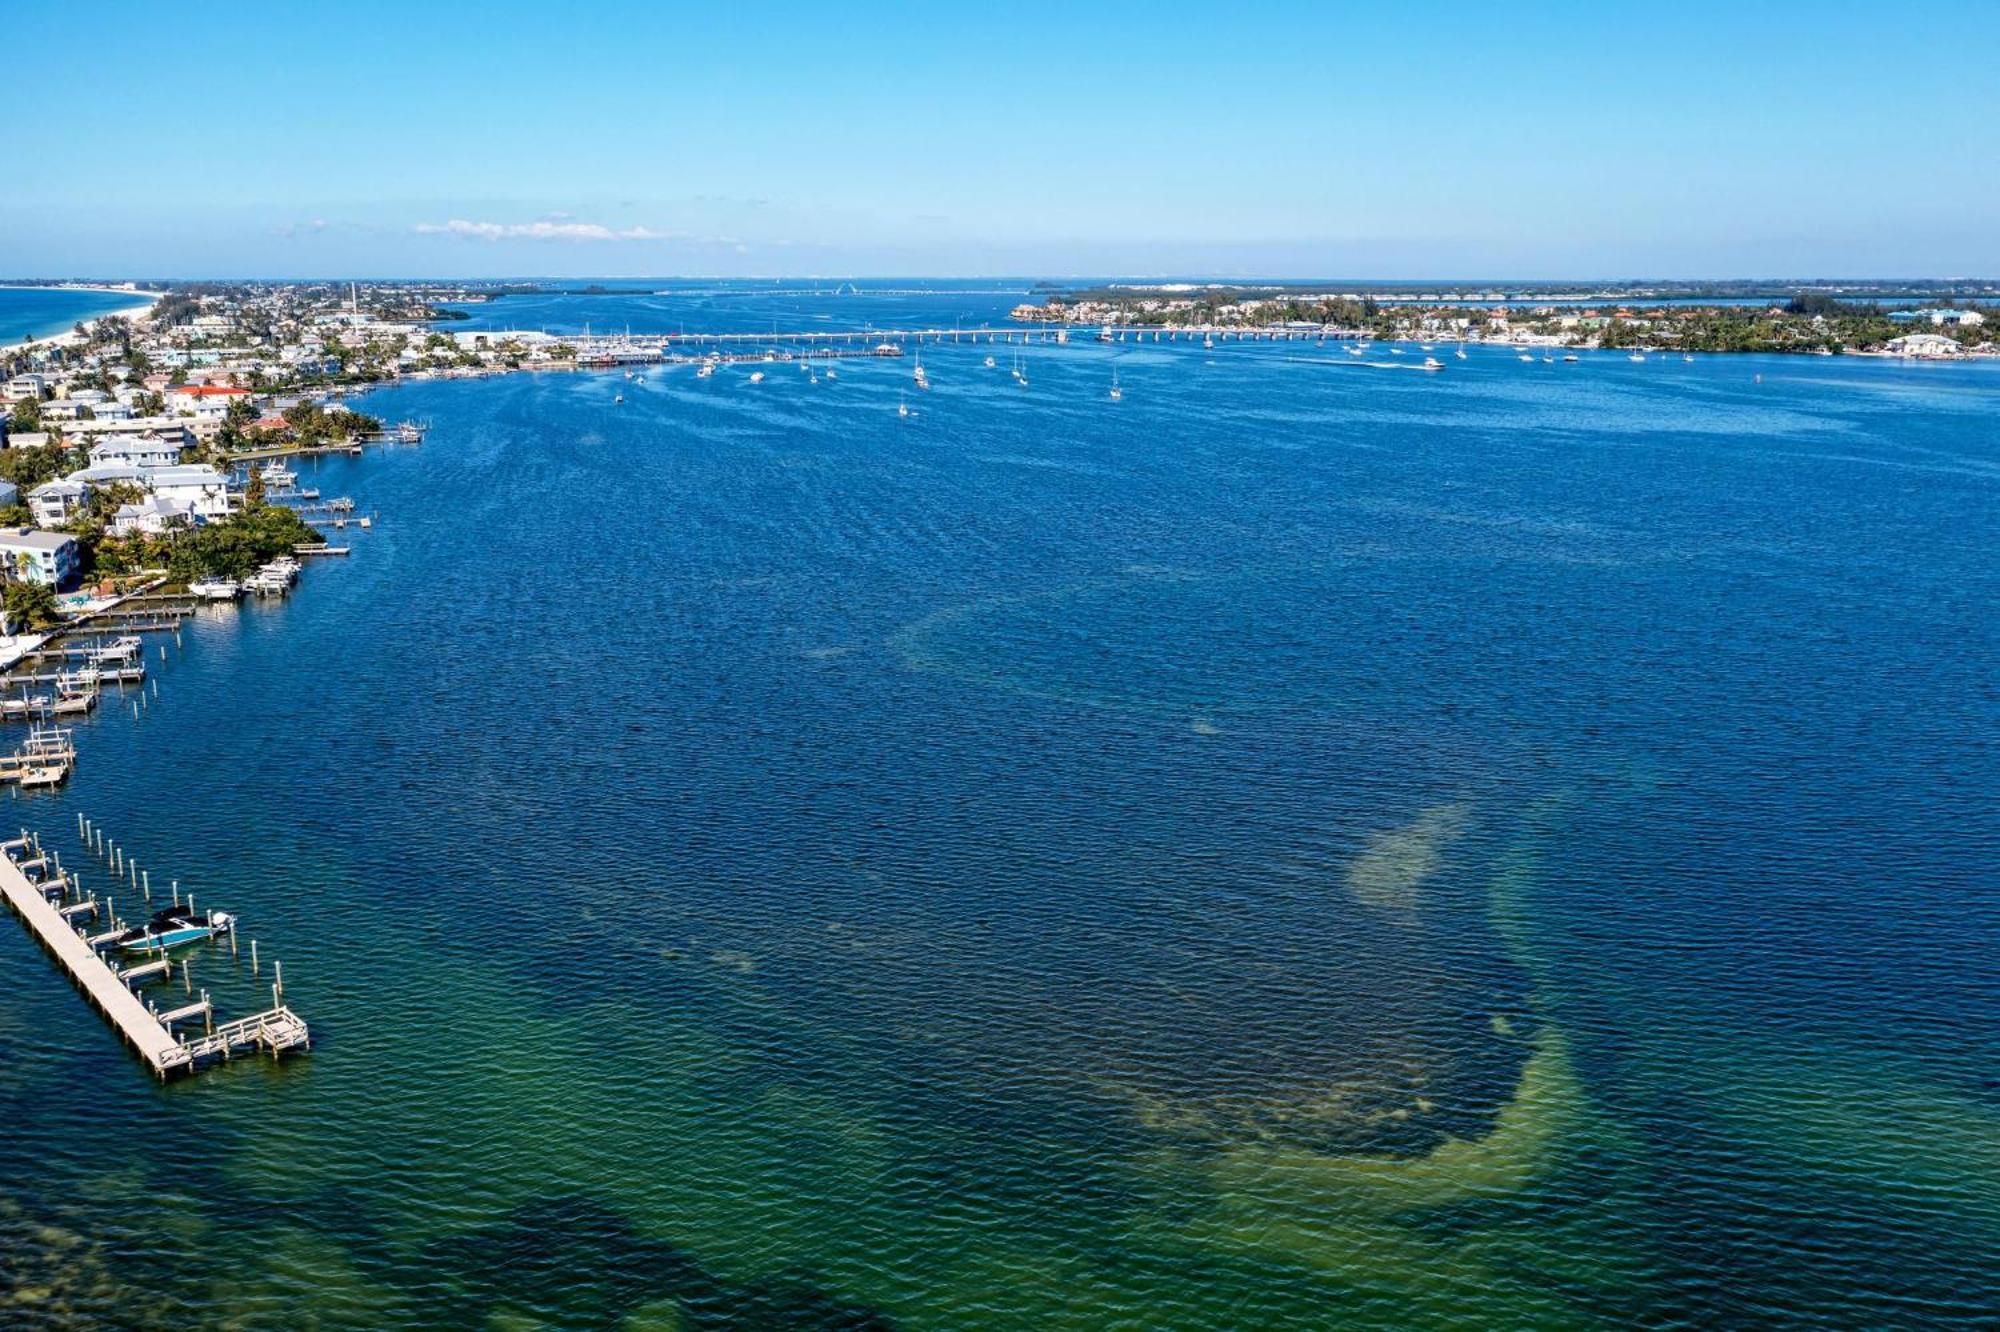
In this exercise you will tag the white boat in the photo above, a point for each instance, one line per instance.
(1460, 353)
(1571, 356)
(902, 407)
(1117, 393)
(831, 373)
(707, 369)
(618, 398)
(1685, 357)
(1432, 363)
(1395, 351)
(1636, 356)
(756, 376)
(990, 363)
(1527, 356)
(923, 380)
(277, 476)
(1207, 342)
(215, 589)
(1354, 351)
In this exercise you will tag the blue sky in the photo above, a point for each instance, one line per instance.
(1437, 140)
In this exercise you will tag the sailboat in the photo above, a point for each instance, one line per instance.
(990, 363)
(1117, 394)
(1020, 375)
(902, 407)
(923, 380)
(1460, 353)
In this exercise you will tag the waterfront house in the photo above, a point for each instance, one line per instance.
(29, 556)
(152, 516)
(203, 490)
(22, 387)
(1923, 346)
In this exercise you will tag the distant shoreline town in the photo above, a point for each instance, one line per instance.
(140, 445)
(1927, 321)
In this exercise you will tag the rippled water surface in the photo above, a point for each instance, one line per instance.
(1307, 845)
(37, 312)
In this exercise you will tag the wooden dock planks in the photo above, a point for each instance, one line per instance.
(92, 974)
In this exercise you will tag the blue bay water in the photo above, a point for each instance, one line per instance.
(1309, 844)
(38, 312)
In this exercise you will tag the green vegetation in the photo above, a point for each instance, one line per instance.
(31, 606)
(252, 537)
(28, 468)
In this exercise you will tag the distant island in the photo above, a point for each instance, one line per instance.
(1919, 319)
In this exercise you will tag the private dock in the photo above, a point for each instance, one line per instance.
(48, 900)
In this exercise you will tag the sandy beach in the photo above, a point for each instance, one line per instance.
(143, 303)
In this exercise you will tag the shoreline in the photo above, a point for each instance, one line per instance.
(148, 300)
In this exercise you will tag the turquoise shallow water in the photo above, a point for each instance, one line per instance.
(37, 312)
(1306, 845)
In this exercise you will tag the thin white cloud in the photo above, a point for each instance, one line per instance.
(291, 229)
(545, 230)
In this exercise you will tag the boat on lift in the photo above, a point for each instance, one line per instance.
(174, 927)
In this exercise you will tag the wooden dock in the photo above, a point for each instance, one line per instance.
(149, 1033)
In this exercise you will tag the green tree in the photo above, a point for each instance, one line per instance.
(31, 606)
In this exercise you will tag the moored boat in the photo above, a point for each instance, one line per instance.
(173, 927)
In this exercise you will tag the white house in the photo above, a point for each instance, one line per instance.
(1923, 346)
(200, 487)
(39, 557)
(25, 386)
(152, 516)
(53, 502)
(136, 451)
(113, 411)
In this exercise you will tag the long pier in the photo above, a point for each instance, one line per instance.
(146, 1030)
